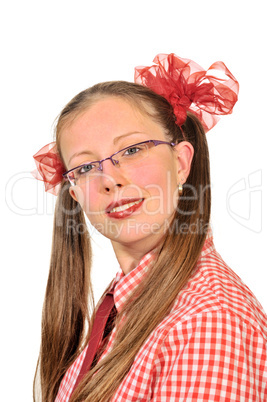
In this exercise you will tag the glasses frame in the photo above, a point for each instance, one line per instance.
(114, 162)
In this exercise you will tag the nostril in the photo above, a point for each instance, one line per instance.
(107, 189)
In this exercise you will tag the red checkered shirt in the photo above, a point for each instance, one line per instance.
(211, 347)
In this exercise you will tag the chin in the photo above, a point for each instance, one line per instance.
(134, 231)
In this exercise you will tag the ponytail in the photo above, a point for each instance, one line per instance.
(65, 310)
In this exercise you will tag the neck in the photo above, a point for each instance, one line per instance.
(129, 256)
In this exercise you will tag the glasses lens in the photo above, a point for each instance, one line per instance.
(84, 173)
(132, 154)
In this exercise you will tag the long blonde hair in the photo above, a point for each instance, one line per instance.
(66, 312)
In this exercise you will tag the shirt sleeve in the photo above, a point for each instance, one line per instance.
(211, 357)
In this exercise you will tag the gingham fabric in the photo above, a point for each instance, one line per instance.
(211, 347)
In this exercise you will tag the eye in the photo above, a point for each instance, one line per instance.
(134, 150)
(86, 168)
(131, 151)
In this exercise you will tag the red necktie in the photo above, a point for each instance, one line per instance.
(101, 318)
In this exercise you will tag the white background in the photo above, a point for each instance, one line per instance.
(52, 50)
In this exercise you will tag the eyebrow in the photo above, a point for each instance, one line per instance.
(79, 154)
(115, 141)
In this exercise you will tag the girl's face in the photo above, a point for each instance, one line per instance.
(128, 204)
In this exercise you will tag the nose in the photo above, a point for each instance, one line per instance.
(112, 176)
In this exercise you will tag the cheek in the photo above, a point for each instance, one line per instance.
(160, 187)
(87, 198)
(147, 174)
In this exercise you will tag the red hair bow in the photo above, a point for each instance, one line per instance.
(49, 168)
(188, 87)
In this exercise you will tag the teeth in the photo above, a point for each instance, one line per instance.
(125, 206)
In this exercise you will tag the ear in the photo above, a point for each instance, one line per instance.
(185, 153)
(73, 193)
(77, 194)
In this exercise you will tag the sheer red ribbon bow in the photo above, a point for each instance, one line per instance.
(188, 87)
(49, 168)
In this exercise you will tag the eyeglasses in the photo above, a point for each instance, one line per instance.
(126, 156)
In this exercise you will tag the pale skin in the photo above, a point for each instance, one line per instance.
(103, 129)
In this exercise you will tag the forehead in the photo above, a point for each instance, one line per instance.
(107, 115)
(102, 123)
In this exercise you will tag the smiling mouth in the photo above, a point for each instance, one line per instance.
(125, 206)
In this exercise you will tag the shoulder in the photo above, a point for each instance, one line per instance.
(216, 288)
(217, 329)
(214, 303)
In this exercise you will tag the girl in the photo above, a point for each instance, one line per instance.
(176, 324)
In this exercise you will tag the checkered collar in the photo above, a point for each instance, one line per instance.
(125, 284)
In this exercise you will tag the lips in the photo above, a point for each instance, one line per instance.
(124, 208)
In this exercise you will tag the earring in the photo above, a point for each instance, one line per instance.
(180, 189)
